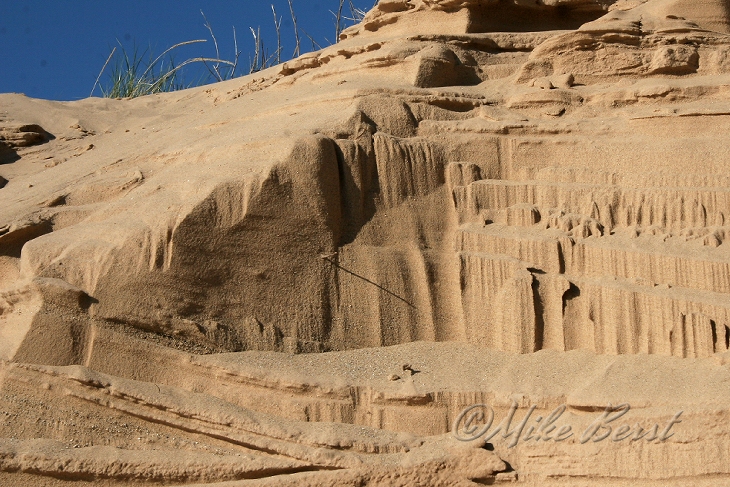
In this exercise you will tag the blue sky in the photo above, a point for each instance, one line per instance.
(54, 49)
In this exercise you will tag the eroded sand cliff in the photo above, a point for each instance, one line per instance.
(536, 192)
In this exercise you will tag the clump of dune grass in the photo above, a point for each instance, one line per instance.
(134, 74)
